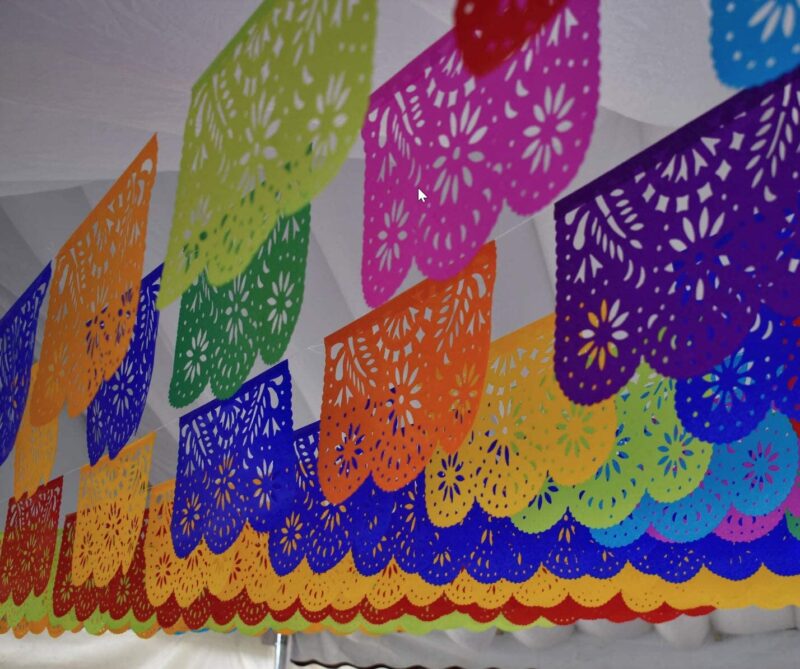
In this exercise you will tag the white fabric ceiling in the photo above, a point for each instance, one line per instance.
(83, 84)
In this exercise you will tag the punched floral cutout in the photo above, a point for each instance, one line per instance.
(404, 379)
(652, 454)
(343, 598)
(112, 497)
(34, 452)
(488, 31)
(166, 574)
(323, 533)
(95, 296)
(114, 414)
(730, 400)
(233, 464)
(516, 135)
(675, 255)
(17, 342)
(222, 327)
(270, 123)
(754, 41)
(747, 487)
(525, 432)
(29, 543)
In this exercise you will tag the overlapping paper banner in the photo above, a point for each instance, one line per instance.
(29, 542)
(404, 380)
(95, 295)
(34, 451)
(112, 496)
(114, 414)
(680, 255)
(222, 328)
(270, 123)
(17, 342)
(753, 41)
(124, 604)
(240, 591)
(515, 136)
(488, 31)
(233, 461)
(635, 456)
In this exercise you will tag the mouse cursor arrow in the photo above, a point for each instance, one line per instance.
(421, 196)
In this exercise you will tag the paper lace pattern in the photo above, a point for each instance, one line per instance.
(233, 463)
(95, 295)
(17, 342)
(222, 327)
(269, 125)
(753, 41)
(517, 135)
(672, 255)
(114, 414)
(405, 379)
(112, 497)
(29, 542)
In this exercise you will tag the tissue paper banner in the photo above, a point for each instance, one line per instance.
(29, 542)
(672, 255)
(270, 123)
(517, 135)
(526, 432)
(732, 398)
(488, 31)
(115, 412)
(222, 328)
(404, 379)
(233, 462)
(753, 41)
(339, 602)
(17, 342)
(95, 295)
(34, 452)
(112, 497)
(655, 458)
(753, 485)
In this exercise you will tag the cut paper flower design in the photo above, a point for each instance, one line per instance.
(17, 341)
(243, 569)
(321, 532)
(115, 412)
(525, 433)
(34, 452)
(270, 123)
(221, 328)
(341, 599)
(743, 495)
(95, 295)
(517, 135)
(392, 531)
(731, 399)
(651, 454)
(753, 41)
(112, 496)
(403, 379)
(167, 575)
(684, 245)
(29, 543)
(488, 31)
(232, 454)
